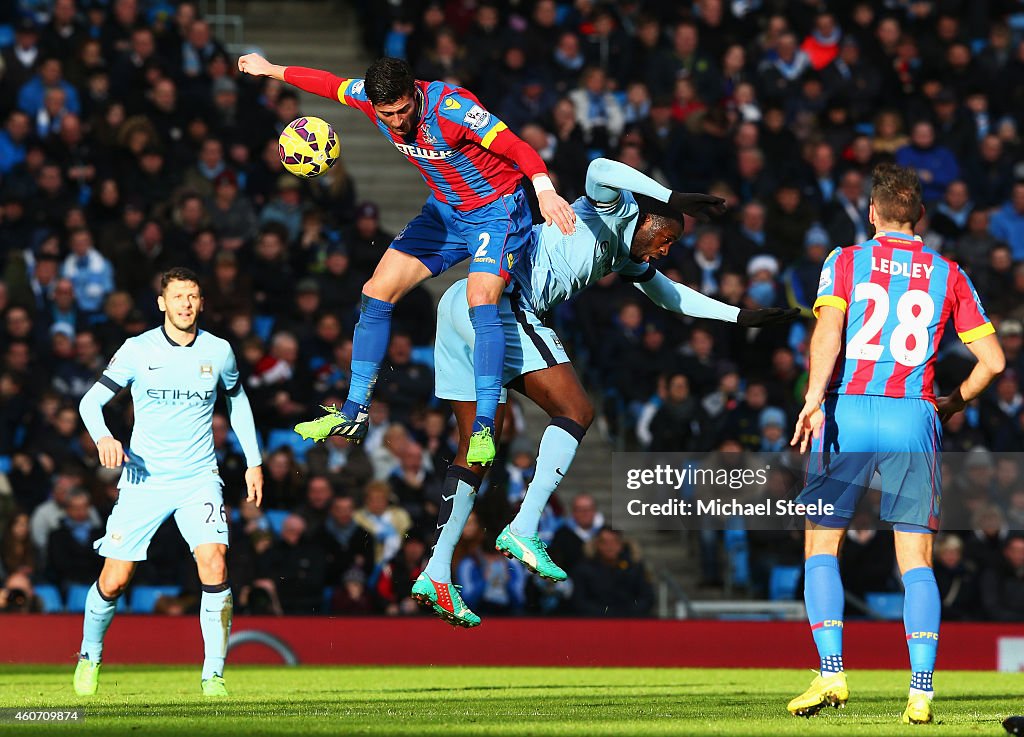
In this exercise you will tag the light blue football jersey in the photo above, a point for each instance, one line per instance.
(174, 388)
(557, 266)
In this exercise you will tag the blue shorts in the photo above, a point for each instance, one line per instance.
(529, 344)
(494, 235)
(901, 439)
(197, 506)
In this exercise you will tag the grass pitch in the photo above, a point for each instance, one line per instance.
(496, 701)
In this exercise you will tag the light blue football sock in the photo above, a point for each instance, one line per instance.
(823, 597)
(99, 611)
(488, 363)
(215, 609)
(369, 345)
(457, 499)
(922, 612)
(557, 450)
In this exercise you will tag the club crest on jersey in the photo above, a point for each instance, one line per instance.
(450, 104)
(476, 118)
(422, 153)
(206, 371)
(357, 88)
(427, 137)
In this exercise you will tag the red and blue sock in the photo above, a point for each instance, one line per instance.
(488, 363)
(369, 344)
(922, 612)
(823, 597)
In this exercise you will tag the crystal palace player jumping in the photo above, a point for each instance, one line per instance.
(477, 208)
(870, 405)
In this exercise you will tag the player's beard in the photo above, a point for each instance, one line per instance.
(184, 327)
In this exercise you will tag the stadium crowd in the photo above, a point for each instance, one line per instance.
(130, 145)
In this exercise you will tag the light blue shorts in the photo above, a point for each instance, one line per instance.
(197, 506)
(529, 345)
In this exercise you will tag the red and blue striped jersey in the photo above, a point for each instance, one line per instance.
(897, 295)
(467, 156)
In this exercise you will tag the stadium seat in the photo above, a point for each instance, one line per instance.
(144, 598)
(50, 598)
(783, 581)
(328, 598)
(76, 594)
(885, 604)
(288, 439)
(423, 354)
(6, 35)
(5, 464)
(276, 518)
(263, 326)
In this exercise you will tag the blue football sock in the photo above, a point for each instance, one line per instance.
(215, 609)
(488, 363)
(823, 597)
(99, 611)
(369, 344)
(557, 450)
(457, 499)
(922, 611)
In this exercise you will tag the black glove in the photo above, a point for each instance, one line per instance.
(767, 316)
(700, 206)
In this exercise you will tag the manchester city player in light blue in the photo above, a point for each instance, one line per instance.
(615, 232)
(175, 373)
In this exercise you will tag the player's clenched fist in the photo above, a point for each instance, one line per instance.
(111, 452)
(254, 64)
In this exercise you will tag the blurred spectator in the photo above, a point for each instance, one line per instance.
(957, 578)
(17, 551)
(394, 584)
(1007, 224)
(935, 164)
(1002, 585)
(69, 548)
(583, 524)
(297, 567)
(609, 583)
(404, 384)
(348, 545)
(386, 522)
(491, 584)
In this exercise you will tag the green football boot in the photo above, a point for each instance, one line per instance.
(87, 677)
(481, 447)
(445, 600)
(214, 687)
(334, 423)
(531, 552)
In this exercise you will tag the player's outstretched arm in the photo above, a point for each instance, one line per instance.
(315, 81)
(257, 66)
(991, 363)
(111, 452)
(826, 342)
(675, 297)
(244, 424)
(606, 178)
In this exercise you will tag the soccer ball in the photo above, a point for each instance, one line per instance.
(308, 147)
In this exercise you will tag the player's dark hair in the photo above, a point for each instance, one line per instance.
(388, 80)
(659, 211)
(178, 273)
(896, 193)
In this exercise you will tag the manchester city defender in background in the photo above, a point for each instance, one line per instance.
(882, 307)
(615, 233)
(473, 165)
(175, 372)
